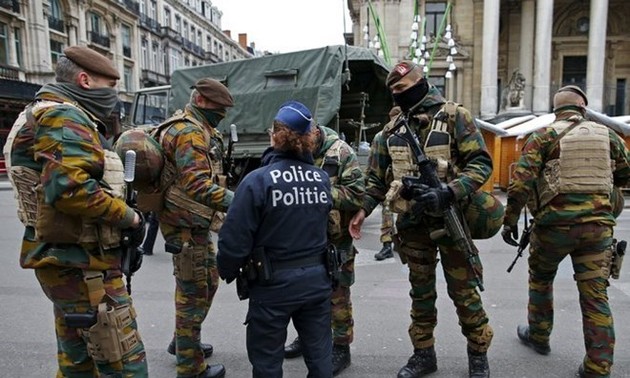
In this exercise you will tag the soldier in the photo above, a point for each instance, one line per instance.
(278, 225)
(73, 220)
(193, 151)
(339, 160)
(387, 217)
(573, 215)
(451, 139)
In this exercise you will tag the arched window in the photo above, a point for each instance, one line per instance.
(55, 18)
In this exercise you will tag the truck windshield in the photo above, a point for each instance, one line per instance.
(150, 108)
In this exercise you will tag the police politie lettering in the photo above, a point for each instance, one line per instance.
(298, 194)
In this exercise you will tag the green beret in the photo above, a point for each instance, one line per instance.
(214, 91)
(92, 61)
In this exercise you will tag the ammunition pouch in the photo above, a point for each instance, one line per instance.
(105, 331)
(244, 277)
(189, 264)
(24, 181)
(619, 250)
(217, 221)
(393, 199)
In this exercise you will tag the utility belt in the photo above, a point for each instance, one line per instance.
(260, 269)
(106, 327)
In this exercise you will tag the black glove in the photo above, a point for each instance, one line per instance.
(136, 262)
(434, 199)
(510, 234)
(133, 237)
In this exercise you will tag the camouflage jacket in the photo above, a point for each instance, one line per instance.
(349, 186)
(471, 160)
(64, 146)
(185, 146)
(564, 209)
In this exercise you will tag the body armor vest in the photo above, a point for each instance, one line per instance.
(583, 165)
(52, 226)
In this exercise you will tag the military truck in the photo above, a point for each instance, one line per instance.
(344, 86)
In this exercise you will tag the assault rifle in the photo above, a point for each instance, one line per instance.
(429, 178)
(132, 255)
(523, 241)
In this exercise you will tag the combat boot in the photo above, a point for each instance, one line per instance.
(340, 358)
(523, 334)
(212, 371)
(478, 364)
(421, 363)
(207, 349)
(294, 349)
(385, 253)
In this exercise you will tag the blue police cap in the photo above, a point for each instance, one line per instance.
(296, 116)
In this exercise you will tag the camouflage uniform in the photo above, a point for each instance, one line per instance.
(472, 166)
(387, 225)
(185, 146)
(348, 187)
(62, 145)
(575, 224)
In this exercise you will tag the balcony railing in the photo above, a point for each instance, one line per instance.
(12, 5)
(127, 51)
(7, 72)
(154, 78)
(149, 23)
(56, 24)
(211, 57)
(100, 39)
(133, 6)
(171, 34)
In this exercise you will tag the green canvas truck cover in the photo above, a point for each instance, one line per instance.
(340, 98)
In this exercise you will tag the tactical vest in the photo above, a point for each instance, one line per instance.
(173, 192)
(583, 165)
(437, 148)
(51, 225)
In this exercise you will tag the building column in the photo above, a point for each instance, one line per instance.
(526, 61)
(542, 56)
(490, 54)
(596, 55)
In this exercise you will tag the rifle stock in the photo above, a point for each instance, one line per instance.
(429, 177)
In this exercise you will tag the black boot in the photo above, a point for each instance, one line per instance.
(340, 357)
(294, 349)
(207, 349)
(478, 364)
(385, 252)
(212, 371)
(421, 363)
(523, 334)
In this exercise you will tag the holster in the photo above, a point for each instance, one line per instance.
(619, 250)
(190, 263)
(107, 341)
(262, 266)
(244, 277)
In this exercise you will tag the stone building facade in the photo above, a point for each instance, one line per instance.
(147, 40)
(549, 43)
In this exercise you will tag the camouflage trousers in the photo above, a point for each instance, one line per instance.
(421, 255)
(192, 302)
(342, 322)
(549, 246)
(387, 225)
(69, 294)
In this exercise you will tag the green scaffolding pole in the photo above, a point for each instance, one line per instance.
(381, 34)
(438, 36)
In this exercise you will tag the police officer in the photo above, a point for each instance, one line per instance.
(340, 161)
(568, 169)
(278, 222)
(73, 221)
(193, 151)
(449, 137)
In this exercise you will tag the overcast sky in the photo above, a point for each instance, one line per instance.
(286, 25)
